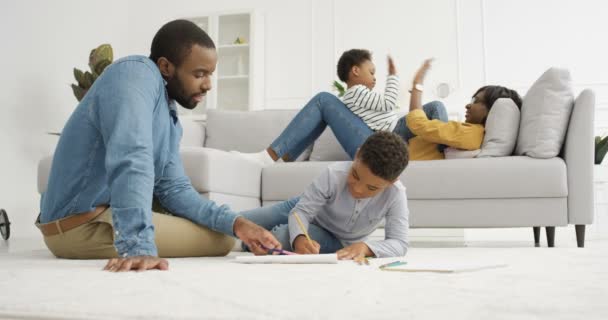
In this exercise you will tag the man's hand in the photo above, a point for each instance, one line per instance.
(356, 251)
(139, 263)
(421, 73)
(391, 67)
(301, 245)
(255, 237)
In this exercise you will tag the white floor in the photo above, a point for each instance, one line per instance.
(539, 283)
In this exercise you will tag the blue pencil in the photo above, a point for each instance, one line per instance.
(393, 264)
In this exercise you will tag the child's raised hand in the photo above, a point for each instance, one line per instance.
(421, 73)
(303, 246)
(357, 250)
(391, 67)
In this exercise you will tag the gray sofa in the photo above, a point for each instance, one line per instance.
(502, 192)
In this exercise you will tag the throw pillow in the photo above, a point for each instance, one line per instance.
(545, 114)
(502, 127)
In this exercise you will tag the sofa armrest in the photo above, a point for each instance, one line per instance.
(44, 170)
(212, 170)
(579, 156)
(193, 133)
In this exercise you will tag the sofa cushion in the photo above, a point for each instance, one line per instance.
(327, 148)
(501, 129)
(247, 131)
(453, 153)
(284, 180)
(480, 178)
(545, 114)
(486, 178)
(212, 170)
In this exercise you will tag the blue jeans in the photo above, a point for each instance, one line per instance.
(434, 110)
(323, 110)
(275, 218)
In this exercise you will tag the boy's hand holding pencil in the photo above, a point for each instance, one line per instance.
(303, 244)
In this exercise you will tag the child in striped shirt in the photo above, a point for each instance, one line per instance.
(356, 69)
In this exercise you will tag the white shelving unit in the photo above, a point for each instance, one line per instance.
(238, 80)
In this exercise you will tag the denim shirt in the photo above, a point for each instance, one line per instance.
(120, 147)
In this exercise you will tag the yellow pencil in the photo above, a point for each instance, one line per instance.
(295, 214)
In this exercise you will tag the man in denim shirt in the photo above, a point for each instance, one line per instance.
(120, 148)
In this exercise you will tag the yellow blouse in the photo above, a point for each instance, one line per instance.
(430, 133)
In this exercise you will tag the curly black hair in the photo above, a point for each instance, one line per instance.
(493, 93)
(175, 39)
(350, 58)
(386, 155)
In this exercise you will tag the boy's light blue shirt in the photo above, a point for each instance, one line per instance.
(120, 147)
(328, 203)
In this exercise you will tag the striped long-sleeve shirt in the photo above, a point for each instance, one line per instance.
(375, 109)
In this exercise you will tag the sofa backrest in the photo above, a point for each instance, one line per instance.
(251, 131)
(247, 131)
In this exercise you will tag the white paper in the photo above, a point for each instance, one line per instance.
(290, 259)
(444, 267)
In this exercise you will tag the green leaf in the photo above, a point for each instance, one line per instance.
(339, 87)
(101, 65)
(103, 52)
(78, 92)
(88, 80)
(79, 75)
(601, 148)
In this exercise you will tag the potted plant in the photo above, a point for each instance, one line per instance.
(99, 59)
(601, 148)
(338, 87)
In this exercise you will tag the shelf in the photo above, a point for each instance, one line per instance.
(237, 81)
(233, 46)
(237, 77)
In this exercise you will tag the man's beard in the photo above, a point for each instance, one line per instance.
(176, 91)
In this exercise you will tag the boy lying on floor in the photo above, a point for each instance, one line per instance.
(345, 204)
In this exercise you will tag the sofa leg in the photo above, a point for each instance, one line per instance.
(580, 235)
(550, 236)
(536, 231)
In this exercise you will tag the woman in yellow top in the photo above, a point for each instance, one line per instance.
(427, 129)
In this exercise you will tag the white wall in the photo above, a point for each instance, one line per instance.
(41, 42)
(475, 42)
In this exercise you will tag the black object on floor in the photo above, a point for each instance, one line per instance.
(5, 225)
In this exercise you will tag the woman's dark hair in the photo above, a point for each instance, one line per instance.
(350, 58)
(493, 93)
(175, 39)
(385, 153)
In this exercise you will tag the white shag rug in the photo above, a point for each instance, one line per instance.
(538, 283)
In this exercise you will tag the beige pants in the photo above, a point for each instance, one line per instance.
(174, 237)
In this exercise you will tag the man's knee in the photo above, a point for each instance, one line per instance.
(291, 203)
(326, 99)
(434, 105)
(224, 245)
(281, 233)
